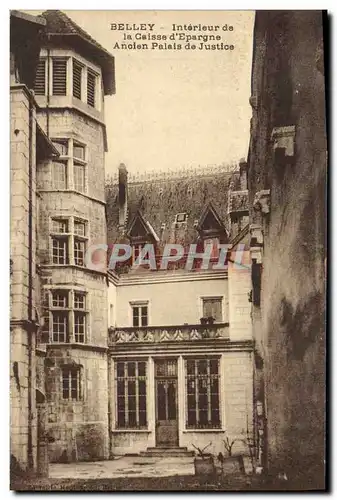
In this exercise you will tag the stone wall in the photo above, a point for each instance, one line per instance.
(288, 90)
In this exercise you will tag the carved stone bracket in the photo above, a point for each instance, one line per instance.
(262, 201)
(283, 138)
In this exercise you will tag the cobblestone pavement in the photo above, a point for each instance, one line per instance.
(124, 467)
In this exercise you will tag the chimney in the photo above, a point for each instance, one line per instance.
(122, 196)
(243, 174)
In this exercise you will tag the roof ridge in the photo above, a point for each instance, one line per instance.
(74, 28)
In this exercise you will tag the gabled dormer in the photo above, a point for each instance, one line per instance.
(211, 230)
(211, 226)
(140, 233)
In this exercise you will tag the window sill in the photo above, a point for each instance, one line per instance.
(204, 430)
(118, 431)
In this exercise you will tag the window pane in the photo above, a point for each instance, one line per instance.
(59, 76)
(60, 298)
(61, 146)
(144, 315)
(79, 151)
(59, 226)
(79, 300)
(213, 308)
(120, 369)
(60, 251)
(59, 175)
(141, 369)
(79, 327)
(131, 369)
(79, 177)
(135, 313)
(79, 251)
(60, 326)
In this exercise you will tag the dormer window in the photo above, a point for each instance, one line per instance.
(181, 218)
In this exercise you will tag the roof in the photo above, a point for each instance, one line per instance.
(160, 201)
(61, 26)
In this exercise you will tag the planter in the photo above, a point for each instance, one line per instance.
(203, 321)
(233, 465)
(204, 466)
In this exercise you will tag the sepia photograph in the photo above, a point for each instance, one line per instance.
(168, 250)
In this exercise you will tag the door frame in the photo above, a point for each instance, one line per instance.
(166, 377)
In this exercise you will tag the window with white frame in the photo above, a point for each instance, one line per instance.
(72, 158)
(212, 308)
(69, 237)
(71, 383)
(85, 81)
(68, 316)
(202, 393)
(140, 314)
(131, 394)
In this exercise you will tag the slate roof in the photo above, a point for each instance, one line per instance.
(61, 25)
(160, 201)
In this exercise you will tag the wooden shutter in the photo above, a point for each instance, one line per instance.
(59, 76)
(91, 88)
(40, 78)
(77, 80)
(212, 307)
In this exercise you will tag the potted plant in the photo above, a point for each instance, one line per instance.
(203, 320)
(204, 463)
(210, 320)
(230, 463)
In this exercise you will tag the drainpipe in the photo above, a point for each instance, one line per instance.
(48, 87)
(30, 287)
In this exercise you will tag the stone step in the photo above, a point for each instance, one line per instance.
(167, 452)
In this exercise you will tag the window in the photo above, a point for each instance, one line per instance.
(40, 78)
(212, 307)
(79, 177)
(91, 88)
(180, 218)
(77, 79)
(139, 315)
(66, 235)
(79, 151)
(59, 175)
(68, 316)
(202, 392)
(79, 243)
(61, 146)
(59, 76)
(59, 67)
(59, 225)
(62, 167)
(60, 327)
(60, 253)
(131, 394)
(71, 383)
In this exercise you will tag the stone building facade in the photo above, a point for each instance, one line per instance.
(108, 362)
(30, 147)
(58, 177)
(287, 190)
(176, 380)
